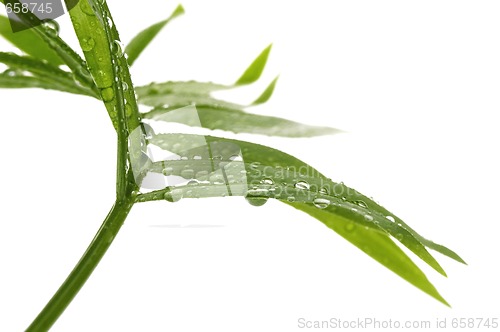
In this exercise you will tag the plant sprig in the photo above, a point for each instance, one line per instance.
(207, 166)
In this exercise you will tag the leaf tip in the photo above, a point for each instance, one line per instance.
(179, 10)
(254, 71)
(268, 92)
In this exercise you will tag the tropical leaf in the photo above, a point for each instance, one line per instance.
(29, 42)
(179, 94)
(237, 121)
(49, 33)
(46, 75)
(254, 71)
(269, 173)
(105, 57)
(376, 245)
(142, 40)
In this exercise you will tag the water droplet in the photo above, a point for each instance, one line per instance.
(362, 204)
(368, 217)
(291, 199)
(321, 203)
(110, 22)
(399, 237)
(147, 130)
(85, 7)
(107, 94)
(324, 191)
(197, 157)
(124, 86)
(267, 181)
(51, 27)
(350, 227)
(117, 48)
(128, 110)
(256, 201)
(187, 173)
(11, 72)
(216, 178)
(87, 44)
(302, 185)
(167, 171)
(391, 218)
(173, 195)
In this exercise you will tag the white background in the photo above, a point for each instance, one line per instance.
(416, 84)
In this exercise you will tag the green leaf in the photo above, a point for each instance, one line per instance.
(376, 245)
(171, 95)
(13, 80)
(270, 173)
(142, 40)
(238, 121)
(103, 51)
(268, 92)
(254, 71)
(29, 42)
(51, 37)
(59, 79)
(342, 200)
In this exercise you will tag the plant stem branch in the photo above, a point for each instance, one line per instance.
(84, 268)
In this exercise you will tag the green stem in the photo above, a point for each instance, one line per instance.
(84, 267)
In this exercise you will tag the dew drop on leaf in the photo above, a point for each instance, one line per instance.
(187, 173)
(399, 237)
(324, 191)
(321, 203)
(167, 171)
(391, 218)
(85, 7)
(291, 199)
(128, 110)
(107, 94)
(11, 72)
(87, 44)
(256, 201)
(362, 204)
(117, 48)
(368, 217)
(302, 185)
(51, 27)
(350, 227)
(172, 196)
(267, 181)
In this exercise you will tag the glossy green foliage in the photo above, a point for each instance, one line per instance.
(29, 42)
(143, 38)
(209, 166)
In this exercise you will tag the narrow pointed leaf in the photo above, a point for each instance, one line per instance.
(29, 42)
(62, 80)
(344, 201)
(238, 121)
(100, 42)
(376, 245)
(367, 236)
(254, 71)
(63, 50)
(142, 40)
(21, 81)
(268, 92)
